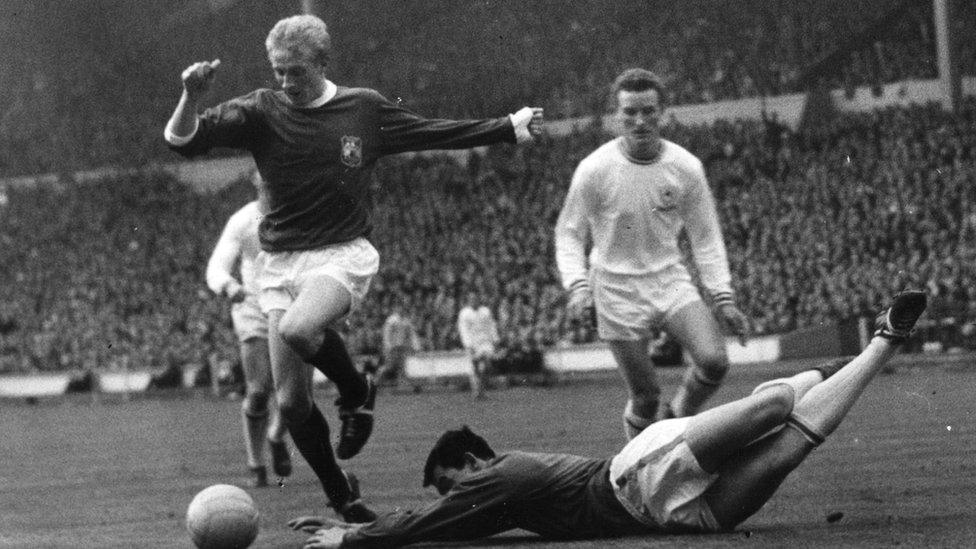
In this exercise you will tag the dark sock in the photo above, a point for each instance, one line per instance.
(333, 360)
(311, 437)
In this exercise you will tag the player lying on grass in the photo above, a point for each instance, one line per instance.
(698, 474)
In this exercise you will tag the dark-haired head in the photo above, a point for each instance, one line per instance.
(638, 80)
(450, 450)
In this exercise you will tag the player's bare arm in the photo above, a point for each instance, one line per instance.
(197, 80)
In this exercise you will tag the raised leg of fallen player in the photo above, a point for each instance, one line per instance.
(695, 329)
(300, 338)
(752, 444)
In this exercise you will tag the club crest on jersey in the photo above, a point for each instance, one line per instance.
(667, 197)
(352, 151)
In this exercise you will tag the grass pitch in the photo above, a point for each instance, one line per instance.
(119, 473)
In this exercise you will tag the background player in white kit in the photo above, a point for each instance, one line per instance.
(479, 335)
(633, 197)
(238, 247)
(399, 340)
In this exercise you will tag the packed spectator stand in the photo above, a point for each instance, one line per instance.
(821, 223)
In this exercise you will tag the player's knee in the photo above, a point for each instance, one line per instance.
(299, 337)
(255, 403)
(773, 405)
(293, 410)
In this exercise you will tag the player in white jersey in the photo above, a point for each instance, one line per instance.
(631, 199)
(479, 335)
(238, 247)
(399, 340)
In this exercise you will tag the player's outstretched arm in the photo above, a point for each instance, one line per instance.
(197, 81)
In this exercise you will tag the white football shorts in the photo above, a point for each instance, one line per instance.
(249, 321)
(630, 307)
(660, 483)
(283, 274)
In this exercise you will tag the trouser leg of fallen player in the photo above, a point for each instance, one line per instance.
(751, 476)
(749, 479)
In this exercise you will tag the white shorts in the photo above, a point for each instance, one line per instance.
(631, 307)
(283, 274)
(660, 483)
(249, 321)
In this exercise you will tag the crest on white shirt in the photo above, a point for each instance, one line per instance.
(667, 196)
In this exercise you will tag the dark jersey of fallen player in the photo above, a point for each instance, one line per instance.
(316, 161)
(557, 496)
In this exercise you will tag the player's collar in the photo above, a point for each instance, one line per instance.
(622, 147)
(330, 91)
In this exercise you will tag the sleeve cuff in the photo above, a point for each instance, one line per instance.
(180, 140)
(520, 123)
(581, 284)
(722, 298)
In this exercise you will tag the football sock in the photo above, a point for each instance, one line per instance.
(333, 360)
(823, 407)
(255, 427)
(633, 423)
(311, 437)
(696, 387)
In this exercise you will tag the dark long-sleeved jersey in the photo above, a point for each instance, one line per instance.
(316, 161)
(557, 496)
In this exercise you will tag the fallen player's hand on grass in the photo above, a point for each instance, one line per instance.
(311, 524)
(326, 538)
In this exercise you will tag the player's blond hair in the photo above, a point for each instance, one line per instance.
(305, 33)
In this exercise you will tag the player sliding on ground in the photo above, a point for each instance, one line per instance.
(315, 143)
(699, 474)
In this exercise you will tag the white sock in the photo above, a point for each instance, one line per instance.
(825, 405)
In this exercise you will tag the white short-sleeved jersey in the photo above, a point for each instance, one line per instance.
(634, 211)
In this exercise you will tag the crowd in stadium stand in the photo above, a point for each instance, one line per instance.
(70, 101)
(821, 225)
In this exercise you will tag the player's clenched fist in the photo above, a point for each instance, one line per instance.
(198, 77)
(580, 304)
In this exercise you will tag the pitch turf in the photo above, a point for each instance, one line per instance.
(115, 473)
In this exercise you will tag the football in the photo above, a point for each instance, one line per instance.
(222, 517)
